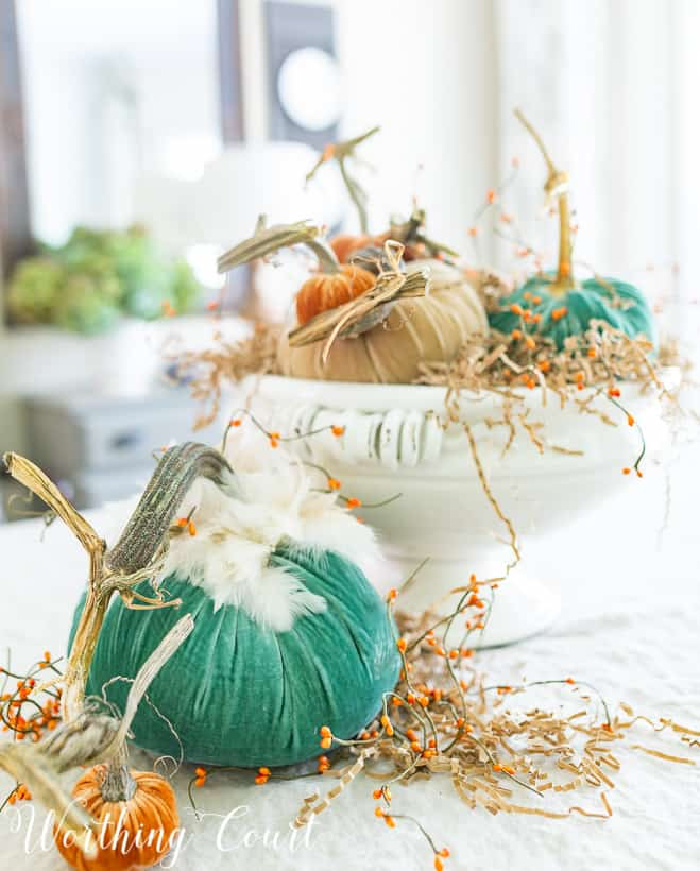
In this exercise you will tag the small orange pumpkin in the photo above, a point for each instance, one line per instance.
(143, 837)
(345, 246)
(327, 290)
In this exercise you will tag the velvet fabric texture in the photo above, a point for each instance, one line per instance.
(430, 328)
(240, 695)
(621, 305)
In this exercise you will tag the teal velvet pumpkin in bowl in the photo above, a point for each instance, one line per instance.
(560, 314)
(238, 694)
(556, 305)
(289, 635)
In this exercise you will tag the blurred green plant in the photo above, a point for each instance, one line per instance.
(96, 278)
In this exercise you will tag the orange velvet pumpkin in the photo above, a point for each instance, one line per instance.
(345, 246)
(329, 290)
(142, 839)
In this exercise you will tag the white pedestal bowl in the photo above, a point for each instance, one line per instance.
(397, 439)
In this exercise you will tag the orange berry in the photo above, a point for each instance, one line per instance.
(338, 431)
(325, 743)
(491, 196)
(325, 732)
(516, 309)
(473, 232)
(630, 420)
(264, 770)
(516, 334)
(235, 423)
(530, 342)
(333, 484)
(191, 528)
(353, 502)
(626, 470)
(401, 645)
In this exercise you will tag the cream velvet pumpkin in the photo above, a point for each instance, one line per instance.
(429, 328)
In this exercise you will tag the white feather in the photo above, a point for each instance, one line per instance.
(270, 501)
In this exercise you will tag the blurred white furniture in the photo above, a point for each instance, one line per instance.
(101, 447)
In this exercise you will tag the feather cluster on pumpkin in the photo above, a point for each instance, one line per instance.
(271, 500)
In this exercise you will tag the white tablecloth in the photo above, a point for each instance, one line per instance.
(629, 625)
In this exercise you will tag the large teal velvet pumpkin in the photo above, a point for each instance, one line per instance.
(240, 695)
(621, 305)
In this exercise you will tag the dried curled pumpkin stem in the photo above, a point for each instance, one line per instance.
(342, 152)
(137, 555)
(269, 240)
(412, 232)
(557, 185)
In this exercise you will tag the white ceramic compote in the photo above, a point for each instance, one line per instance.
(399, 440)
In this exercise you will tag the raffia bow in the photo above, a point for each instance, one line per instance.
(365, 312)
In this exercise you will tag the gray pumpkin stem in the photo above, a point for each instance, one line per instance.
(145, 533)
